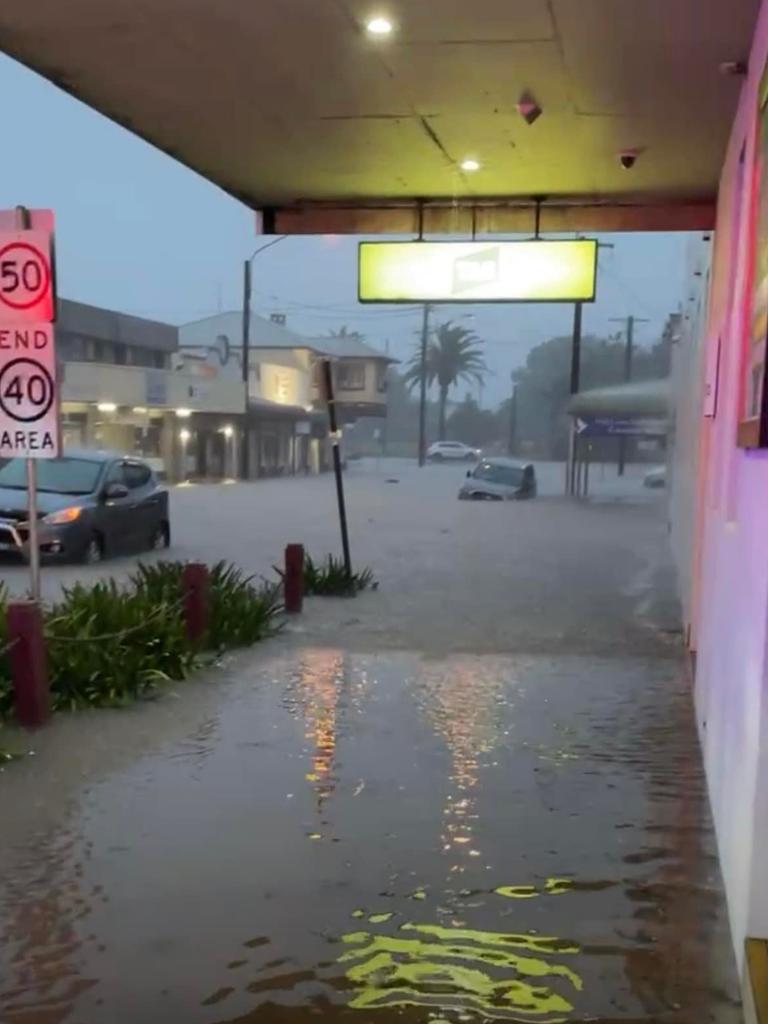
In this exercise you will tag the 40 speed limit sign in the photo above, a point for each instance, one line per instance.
(29, 406)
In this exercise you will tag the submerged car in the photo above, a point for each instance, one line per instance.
(499, 480)
(656, 478)
(445, 450)
(90, 505)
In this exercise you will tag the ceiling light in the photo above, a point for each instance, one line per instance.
(228, 431)
(184, 436)
(379, 26)
(140, 410)
(183, 414)
(106, 407)
(470, 165)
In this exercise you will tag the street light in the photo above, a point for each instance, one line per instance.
(245, 448)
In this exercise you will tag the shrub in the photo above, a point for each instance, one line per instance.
(107, 645)
(241, 612)
(330, 578)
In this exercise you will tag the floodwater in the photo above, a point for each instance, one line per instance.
(379, 837)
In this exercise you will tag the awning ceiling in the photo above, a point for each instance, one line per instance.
(291, 103)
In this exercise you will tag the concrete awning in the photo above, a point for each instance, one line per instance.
(292, 104)
(643, 398)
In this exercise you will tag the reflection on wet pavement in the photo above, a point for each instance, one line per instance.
(376, 838)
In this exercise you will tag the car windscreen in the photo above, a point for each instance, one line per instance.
(60, 476)
(512, 476)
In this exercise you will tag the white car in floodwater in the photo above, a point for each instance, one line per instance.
(444, 450)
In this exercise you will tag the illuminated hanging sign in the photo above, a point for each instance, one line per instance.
(532, 271)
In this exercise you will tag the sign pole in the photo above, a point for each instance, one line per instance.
(335, 438)
(24, 223)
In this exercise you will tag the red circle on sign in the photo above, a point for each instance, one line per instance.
(45, 275)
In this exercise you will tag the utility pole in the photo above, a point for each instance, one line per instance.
(629, 348)
(245, 446)
(423, 384)
(575, 383)
(511, 443)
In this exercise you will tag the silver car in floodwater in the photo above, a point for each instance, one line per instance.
(499, 480)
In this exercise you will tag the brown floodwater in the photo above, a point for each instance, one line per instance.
(385, 837)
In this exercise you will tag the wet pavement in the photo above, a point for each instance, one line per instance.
(387, 837)
(388, 831)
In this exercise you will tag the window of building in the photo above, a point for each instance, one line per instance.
(351, 375)
(121, 353)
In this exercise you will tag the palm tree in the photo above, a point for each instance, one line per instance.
(454, 354)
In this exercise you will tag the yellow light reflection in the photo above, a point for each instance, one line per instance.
(496, 975)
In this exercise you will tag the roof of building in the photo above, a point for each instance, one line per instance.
(348, 346)
(649, 398)
(112, 325)
(263, 333)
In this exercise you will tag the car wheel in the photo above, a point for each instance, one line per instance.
(437, 457)
(93, 552)
(470, 458)
(161, 537)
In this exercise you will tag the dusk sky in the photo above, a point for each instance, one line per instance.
(139, 233)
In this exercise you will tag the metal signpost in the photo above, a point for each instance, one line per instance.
(29, 399)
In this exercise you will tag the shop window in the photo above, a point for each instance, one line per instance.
(351, 375)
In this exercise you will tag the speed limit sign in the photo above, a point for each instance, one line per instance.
(29, 414)
(26, 278)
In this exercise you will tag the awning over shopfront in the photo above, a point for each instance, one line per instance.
(299, 110)
(639, 399)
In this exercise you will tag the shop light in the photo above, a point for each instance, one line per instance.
(183, 414)
(140, 410)
(228, 431)
(379, 26)
(184, 435)
(107, 407)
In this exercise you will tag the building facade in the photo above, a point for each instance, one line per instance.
(718, 497)
(122, 388)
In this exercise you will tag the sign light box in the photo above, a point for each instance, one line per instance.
(532, 271)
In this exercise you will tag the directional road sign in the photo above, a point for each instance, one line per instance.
(619, 426)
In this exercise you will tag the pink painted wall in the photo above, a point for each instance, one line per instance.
(724, 491)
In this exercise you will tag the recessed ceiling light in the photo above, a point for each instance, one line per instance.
(470, 164)
(379, 26)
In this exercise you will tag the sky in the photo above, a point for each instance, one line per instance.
(140, 233)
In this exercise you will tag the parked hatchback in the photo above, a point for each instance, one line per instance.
(499, 480)
(90, 505)
(442, 450)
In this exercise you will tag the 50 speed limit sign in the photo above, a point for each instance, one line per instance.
(29, 414)
(26, 277)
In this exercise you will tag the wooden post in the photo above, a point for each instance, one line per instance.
(293, 581)
(195, 588)
(29, 670)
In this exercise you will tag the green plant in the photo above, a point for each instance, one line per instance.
(241, 611)
(330, 578)
(108, 645)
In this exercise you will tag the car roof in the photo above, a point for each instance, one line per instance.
(512, 463)
(98, 455)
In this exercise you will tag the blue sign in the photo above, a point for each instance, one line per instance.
(619, 426)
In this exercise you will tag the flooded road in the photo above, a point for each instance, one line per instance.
(380, 837)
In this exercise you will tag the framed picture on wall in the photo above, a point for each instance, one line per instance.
(753, 422)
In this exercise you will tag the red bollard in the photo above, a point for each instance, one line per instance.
(195, 588)
(29, 669)
(293, 580)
